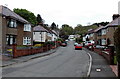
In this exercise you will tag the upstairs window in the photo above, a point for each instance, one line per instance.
(27, 27)
(12, 23)
(103, 32)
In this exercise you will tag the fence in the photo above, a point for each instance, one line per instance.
(108, 53)
(22, 51)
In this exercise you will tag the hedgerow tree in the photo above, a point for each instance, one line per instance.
(117, 47)
(29, 16)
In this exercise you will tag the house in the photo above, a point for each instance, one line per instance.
(89, 36)
(54, 35)
(41, 35)
(13, 29)
(98, 35)
(104, 34)
(110, 29)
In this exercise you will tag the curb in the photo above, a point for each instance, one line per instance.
(29, 59)
(90, 65)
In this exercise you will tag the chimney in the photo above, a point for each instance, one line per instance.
(115, 16)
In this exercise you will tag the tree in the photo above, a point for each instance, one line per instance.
(39, 19)
(53, 26)
(79, 29)
(65, 31)
(29, 16)
(117, 47)
(101, 23)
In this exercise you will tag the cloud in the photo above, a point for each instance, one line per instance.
(72, 12)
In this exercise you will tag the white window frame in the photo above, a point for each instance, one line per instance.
(26, 41)
(13, 23)
(103, 41)
(27, 27)
(103, 31)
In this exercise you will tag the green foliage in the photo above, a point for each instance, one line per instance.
(29, 16)
(66, 29)
(117, 43)
(101, 23)
(79, 29)
(53, 26)
(115, 60)
(79, 40)
(49, 43)
(39, 19)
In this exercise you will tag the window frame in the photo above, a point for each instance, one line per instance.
(27, 27)
(27, 41)
(12, 23)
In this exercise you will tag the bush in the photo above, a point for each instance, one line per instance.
(117, 43)
(38, 45)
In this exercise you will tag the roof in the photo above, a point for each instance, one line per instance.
(100, 27)
(40, 28)
(90, 31)
(114, 22)
(54, 32)
(8, 13)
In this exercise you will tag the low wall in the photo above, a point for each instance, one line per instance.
(17, 52)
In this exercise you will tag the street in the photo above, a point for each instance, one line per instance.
(65, 62)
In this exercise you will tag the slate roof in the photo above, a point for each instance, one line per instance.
(8, 13)
(114, 22)
(54, 32)
(97, 29)
(40, 28)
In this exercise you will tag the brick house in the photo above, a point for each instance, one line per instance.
(110, 29)
(104, 34)
(13, 29)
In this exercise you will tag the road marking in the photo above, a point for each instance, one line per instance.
(90, 65)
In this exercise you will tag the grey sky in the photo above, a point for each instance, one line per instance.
(70, 12)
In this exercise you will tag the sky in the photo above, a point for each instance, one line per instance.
(71, 12)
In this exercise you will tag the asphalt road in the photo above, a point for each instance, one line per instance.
(65, 62)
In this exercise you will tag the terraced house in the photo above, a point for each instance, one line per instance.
(13, 29)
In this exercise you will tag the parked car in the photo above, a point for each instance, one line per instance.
(75, 43)
(88, 43)
(78, 46)
(64, 44)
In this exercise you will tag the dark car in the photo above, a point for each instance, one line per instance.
(64, 44)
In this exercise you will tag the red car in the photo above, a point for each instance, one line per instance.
(78, 46)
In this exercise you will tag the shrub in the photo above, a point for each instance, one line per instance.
(38, 45)
(117, 43)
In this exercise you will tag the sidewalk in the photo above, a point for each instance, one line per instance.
(7, 61)
(100, 67)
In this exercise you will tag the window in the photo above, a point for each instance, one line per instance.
(26, 41)
(49, 34)
(12, 23)
(91, 35)
(103, 31)
(10, 39)
(103, 41)
(107, 29)
(27, 27)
